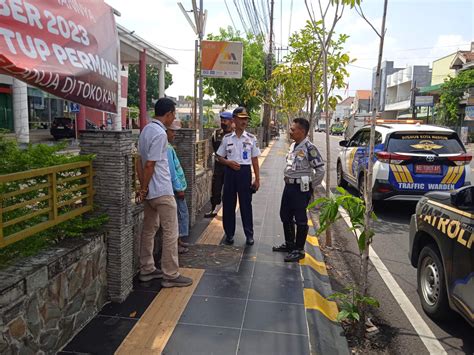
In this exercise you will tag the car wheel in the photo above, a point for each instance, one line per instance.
(340, 178)
(431, 283)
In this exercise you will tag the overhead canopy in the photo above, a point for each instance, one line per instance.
(131, 45)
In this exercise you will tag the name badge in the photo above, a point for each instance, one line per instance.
(245, 155)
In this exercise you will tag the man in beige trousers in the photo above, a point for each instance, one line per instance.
(160, 205)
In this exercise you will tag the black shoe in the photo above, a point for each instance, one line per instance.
(229, 240)
(250, 241)
(282, 248)
(211, 214)
(295, 255)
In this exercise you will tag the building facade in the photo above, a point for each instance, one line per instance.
(387, 68)
(400, 89)
(23, 107)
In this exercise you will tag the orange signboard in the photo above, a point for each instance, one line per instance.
(222, 59)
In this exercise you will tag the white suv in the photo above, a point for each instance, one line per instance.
(410, 160)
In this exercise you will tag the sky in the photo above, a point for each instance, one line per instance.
(418, 32)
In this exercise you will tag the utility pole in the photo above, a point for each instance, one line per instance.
(268, 74)
(199, 27)
(201, 95)
(413, 101)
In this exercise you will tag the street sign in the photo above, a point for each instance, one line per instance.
(222, 59)
(424, 101)
(74, 108)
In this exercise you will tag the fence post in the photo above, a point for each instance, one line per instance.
(53, 191)
(90, 186)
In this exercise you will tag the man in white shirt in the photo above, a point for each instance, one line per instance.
(238, 152)
(160, 204)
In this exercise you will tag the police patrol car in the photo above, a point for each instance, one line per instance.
(410, 160)
(442, 249)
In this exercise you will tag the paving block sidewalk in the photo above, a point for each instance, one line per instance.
(248, 301)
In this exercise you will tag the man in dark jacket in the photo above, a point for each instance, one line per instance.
(218, 176)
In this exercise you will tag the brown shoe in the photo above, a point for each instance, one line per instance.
(182, 250)
(180, 281)
(183, 244)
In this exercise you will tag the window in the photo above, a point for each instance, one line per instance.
(425, 142)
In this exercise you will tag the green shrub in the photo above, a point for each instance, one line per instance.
(15, 159)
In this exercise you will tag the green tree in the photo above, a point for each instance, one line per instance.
(209, 118)
(247, 91)
(300, 79)
(152, 84)
(452, 93)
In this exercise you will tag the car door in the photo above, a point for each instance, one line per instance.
(361, 155)
(460, 276)
(348, 155)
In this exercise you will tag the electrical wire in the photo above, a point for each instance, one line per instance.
(230, 15)
(291, 15)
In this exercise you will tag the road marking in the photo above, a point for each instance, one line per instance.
(422, 329)
(313, 300)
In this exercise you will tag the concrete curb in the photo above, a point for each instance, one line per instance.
(326, 335)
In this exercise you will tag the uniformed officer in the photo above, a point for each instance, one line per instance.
(304, 170)
(218, 175)
(237, 152)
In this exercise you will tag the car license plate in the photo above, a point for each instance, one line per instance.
(427, 169)
(59, 127)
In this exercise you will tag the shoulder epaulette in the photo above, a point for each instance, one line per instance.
(250, 135)
(228, 135)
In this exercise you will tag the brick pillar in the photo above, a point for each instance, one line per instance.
(113, 186)
(184, 144)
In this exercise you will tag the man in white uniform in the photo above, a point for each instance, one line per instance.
(238, 152)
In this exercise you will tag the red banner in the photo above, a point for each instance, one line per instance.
(68, 48)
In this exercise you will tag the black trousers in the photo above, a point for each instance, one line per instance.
(293, 204)
(217, 183)
(237, 183)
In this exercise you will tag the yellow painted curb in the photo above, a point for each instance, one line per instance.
(313, 300)
(312, 240)
(318, 266)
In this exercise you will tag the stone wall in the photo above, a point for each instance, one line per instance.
(48, 298)
(202, 190)
(185, 149)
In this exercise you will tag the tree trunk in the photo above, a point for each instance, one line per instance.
(363, 286)
(327, 120)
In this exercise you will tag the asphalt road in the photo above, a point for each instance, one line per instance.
(391, 245)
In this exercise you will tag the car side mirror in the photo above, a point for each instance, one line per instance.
(463, 198)
(343, 143)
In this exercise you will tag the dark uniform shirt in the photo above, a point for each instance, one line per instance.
(216, 139)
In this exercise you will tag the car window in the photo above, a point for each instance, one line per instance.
(354, 142)
(364, 138)
(431, 143)
(378, 138)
